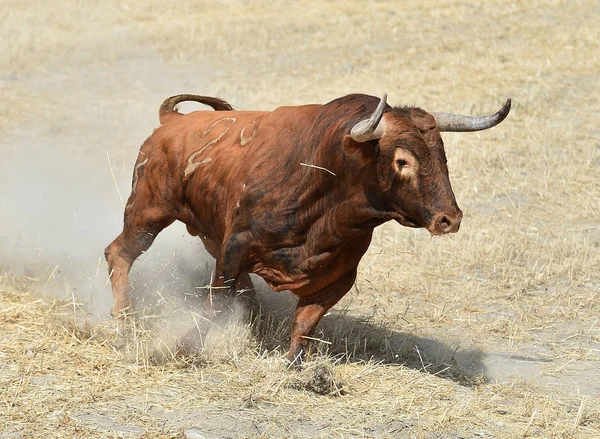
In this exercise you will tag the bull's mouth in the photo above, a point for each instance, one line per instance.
(408, 222)
(430, 226)
(431, 229)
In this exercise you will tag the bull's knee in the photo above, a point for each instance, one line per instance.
(109, 256)
(113, 249)
(108, 252)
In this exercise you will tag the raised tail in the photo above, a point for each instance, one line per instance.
(168, 106)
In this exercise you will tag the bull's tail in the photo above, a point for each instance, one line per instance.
(168, 106)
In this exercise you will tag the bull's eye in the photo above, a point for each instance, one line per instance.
(401, 163)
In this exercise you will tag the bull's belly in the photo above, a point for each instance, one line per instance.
(311, 275)
(280, 281)
(306, 284)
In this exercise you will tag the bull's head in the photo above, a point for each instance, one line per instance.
(411, 165)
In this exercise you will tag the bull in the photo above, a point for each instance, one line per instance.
(292, 195)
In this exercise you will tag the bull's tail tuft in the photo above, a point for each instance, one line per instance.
(168, 106)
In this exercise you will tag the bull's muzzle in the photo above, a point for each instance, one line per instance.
(446, 222)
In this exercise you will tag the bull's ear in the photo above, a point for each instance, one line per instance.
(366, 151)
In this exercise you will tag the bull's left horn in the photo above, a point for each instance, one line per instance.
(373, 127)
(456, 122)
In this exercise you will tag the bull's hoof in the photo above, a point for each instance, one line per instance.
(247, 303)
(295, 359)
(123, 335)
(192, 342)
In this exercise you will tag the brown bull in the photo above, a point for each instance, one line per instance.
(292, 195)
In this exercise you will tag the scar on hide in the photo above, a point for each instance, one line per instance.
(245, 140)
(135, 180)
(191, 165)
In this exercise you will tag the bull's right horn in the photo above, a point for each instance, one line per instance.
(373, 127)
(456, 122)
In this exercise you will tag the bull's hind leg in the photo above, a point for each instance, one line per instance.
(229, 274)
(245, 295)
(244, 288)
(140, 228)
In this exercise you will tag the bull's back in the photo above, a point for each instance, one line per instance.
(227, 162)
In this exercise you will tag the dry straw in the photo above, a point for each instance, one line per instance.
(416, 349)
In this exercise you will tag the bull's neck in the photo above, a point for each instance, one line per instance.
(338, 187)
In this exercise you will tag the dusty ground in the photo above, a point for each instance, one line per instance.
(493, 332)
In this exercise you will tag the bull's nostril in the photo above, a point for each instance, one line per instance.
(445, 223)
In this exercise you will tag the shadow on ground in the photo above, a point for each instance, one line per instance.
(358, 340)
(349, 338)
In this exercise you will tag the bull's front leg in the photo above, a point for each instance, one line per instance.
(310, 310)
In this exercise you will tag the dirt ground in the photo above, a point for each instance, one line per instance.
(492, 332)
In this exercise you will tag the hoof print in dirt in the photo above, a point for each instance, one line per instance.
(319, 380)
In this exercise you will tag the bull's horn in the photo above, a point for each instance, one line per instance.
(456, 122)
(373, 127)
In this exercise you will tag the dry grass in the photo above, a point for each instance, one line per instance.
(415, 347)
(76, 381)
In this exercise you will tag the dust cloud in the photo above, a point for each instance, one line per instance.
(59, 199)
(59, 211)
